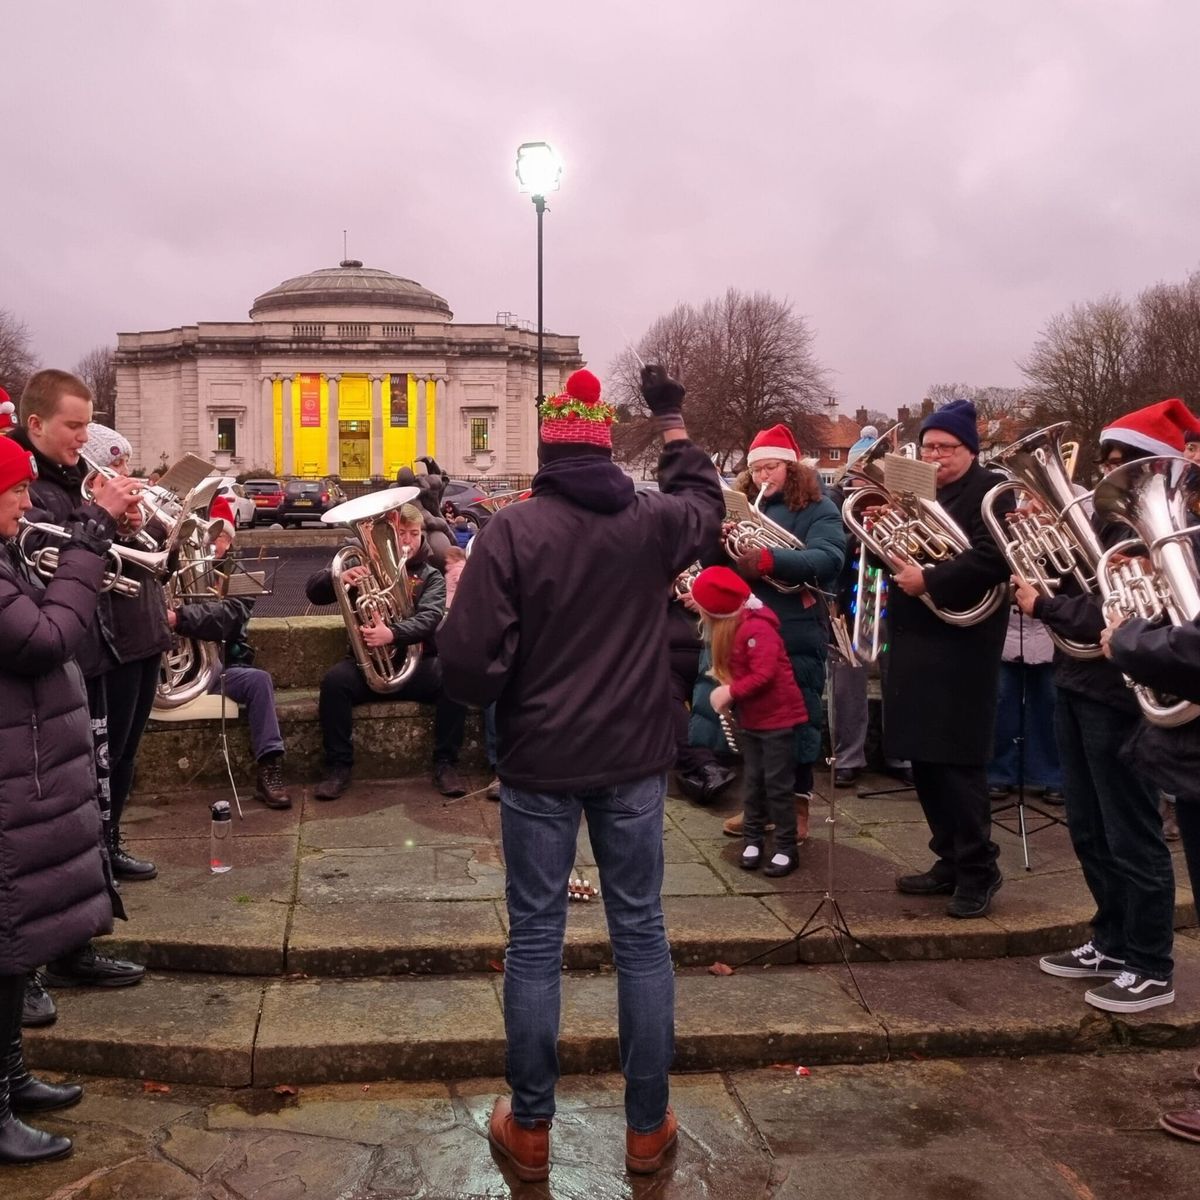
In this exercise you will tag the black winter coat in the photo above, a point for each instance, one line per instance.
(939, 690)
(560, 616)
(1166, 658)
(53, 895)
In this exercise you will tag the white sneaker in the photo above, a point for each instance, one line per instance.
(1131, 993)
(1084, 962)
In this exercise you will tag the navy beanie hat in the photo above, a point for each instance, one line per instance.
(958, 419)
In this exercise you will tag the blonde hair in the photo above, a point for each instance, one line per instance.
(410, 514)
(719, 633)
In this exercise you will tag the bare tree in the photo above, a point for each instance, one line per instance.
(1081, 368)
(98, 370)
(1167, 359)
(991, 403)
(747, 362)
(17, 359)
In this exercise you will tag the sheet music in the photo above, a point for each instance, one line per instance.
(910, 477)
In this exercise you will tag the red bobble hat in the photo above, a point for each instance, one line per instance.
(774, 443)
(8, 413)
(16, 465)
(720, 592)
(221, 510)
(577, 414)
(1157, 428)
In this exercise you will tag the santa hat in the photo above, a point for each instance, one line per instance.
(774, 443)
(106, 447)
(221, 510)
(16, 465)
(8, 413)
(720, 592)
(577, 414)
(1157, 428)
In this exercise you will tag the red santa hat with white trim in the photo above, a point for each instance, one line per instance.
(776, 443)
(1157, 428)
(8, 413)
(221, 510)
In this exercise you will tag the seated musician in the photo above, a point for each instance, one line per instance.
(223, 620)
(344, 685)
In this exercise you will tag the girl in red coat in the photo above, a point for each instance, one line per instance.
(755, 675)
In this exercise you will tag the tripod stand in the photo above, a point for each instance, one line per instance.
(1020, 804)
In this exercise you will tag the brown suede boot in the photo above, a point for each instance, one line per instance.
(645, 1153)
(527, 1150)
(802, 802)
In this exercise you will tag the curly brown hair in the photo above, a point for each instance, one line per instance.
(801, 488)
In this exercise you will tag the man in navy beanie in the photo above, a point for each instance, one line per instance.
(940, 690)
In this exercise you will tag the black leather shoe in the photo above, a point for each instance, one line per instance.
(447, 781)
(716, 779)
(19, 1144)
(333, 785)
(38, 1008)
(927, 883)
(125, 866)
(1053, 796)
(86, 968)
(774, 870)
(904, 774)
(846, 776)
(692, 786)
(36, 1095)
(965, 905)
(998, 791)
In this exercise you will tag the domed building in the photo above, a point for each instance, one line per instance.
(348, 371)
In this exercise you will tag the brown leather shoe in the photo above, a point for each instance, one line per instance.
(527, 1151)
(802, 802)
(269, 786)
(645, 1153)
(734, 825)
(1184, 1124)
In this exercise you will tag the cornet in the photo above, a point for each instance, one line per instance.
(43, 560)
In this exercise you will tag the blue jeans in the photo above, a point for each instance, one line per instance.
(1116, 829)
(625, 826)
(1040, 753)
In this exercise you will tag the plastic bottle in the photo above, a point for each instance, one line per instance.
(220, 842)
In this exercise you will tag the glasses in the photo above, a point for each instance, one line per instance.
(940, 449)
(1113, 460)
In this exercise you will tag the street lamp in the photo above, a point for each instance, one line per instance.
(538, 171)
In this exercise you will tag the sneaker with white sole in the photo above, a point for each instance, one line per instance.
(1131, 993)
(1084, 962)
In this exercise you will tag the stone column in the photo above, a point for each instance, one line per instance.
(289, 451)
(443, 435)
(333, 441)
(422, 383)
(264, 426)
(377, 424)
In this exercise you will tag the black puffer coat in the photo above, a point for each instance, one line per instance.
(52, 887)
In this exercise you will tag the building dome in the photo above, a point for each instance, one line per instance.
(350, 289)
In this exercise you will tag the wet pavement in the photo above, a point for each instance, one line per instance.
(1072, 1127)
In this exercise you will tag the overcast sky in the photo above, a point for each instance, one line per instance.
(926, 181)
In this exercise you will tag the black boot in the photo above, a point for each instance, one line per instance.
(19, 1144)
(124, 865)
(27, 1094)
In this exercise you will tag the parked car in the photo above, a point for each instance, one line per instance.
(307, 499)
(469, 500)
(243, 506)
(267, 495)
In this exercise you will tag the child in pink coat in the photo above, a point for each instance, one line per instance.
(755, 678)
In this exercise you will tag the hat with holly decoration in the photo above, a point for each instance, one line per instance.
(578, 415)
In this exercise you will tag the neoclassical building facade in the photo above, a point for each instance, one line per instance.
(348, 371)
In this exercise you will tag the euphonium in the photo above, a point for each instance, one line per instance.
(1043, 547)
(1153, 496)
(909, 530)
(870, 607)
(753, 530)
(383, 593)
(43, 561)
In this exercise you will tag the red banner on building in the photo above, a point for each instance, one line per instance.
(310, 401)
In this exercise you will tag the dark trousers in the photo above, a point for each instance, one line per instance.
(1116, 829)
(129, 689)
(1035, 762)
(1187, 816)
(97, 700)
(12, 1000)
(769, 772)
(343, 687)
(958, 811)
(684, 668)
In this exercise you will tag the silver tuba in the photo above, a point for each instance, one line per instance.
(384, 593)
(1043, 547)
(753, 530)
(1153, 496)
(911, 529)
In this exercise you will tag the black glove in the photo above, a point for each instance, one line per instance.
(663, 396)
(89, 533)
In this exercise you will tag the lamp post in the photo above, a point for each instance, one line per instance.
(538, 171)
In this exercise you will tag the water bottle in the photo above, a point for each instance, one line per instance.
(220, 843)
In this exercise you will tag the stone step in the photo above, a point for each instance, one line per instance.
(233, 1031)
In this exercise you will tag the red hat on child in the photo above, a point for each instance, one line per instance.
(776, 442)
(1157, 428)
(221, 510)
(720, 592)
(16, 465)
(577, 414)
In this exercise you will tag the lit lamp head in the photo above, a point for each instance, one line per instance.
(538, 168)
